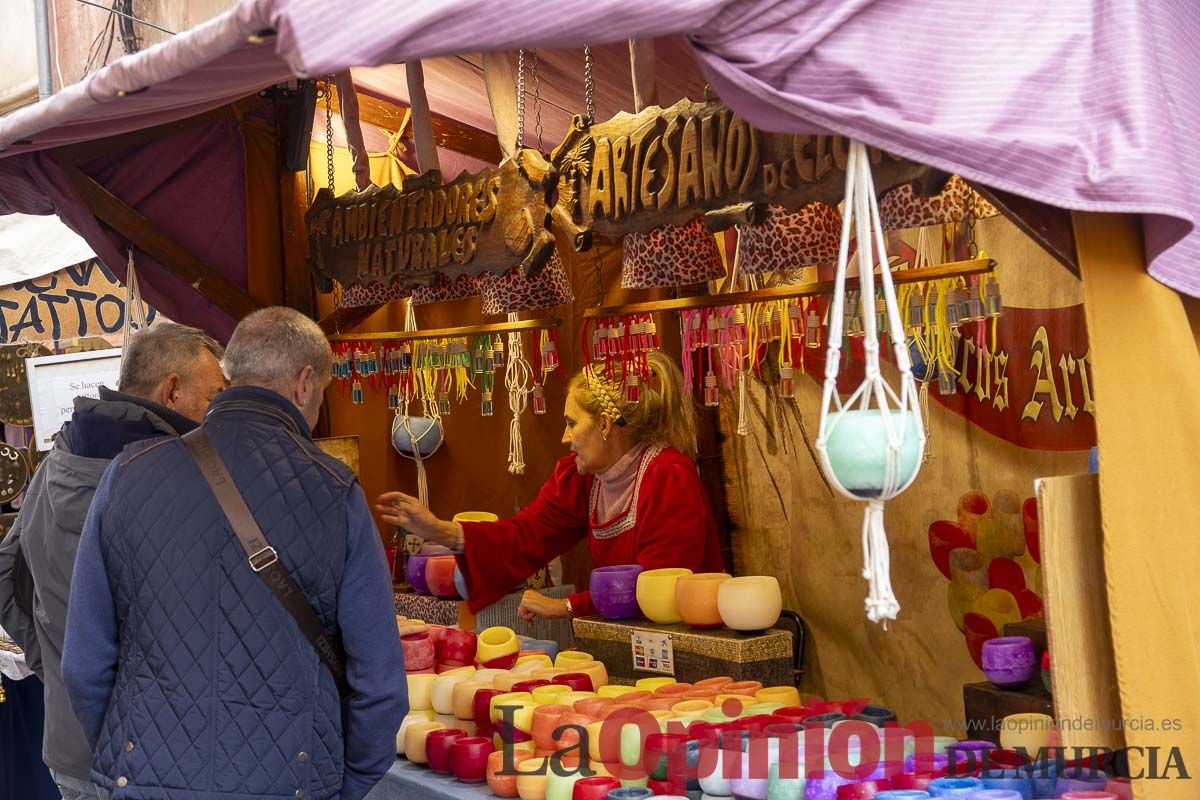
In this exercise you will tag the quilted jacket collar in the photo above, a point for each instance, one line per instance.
(258, 400)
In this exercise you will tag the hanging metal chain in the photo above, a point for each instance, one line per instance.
(520, 99)
(537, 97)
(969, 223)
(599, 274)
(329, 130)
(589, 84)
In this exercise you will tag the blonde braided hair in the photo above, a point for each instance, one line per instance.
(664, 414)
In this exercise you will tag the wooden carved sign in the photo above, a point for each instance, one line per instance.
(490, 221)
(662, 166)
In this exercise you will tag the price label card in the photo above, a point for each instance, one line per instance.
(652, 652)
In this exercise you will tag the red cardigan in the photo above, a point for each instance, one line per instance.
(668, 524)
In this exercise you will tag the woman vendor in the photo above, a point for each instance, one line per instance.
(629, 485)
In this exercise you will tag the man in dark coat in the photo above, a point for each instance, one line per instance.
(190, 677)
(169, 374)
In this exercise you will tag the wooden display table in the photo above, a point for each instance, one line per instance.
(698, 654)
(986, 705)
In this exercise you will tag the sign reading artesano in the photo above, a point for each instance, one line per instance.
(660, 166)
(490, 221)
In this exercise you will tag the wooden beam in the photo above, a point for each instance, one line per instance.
(449, 333)
(142, 233)
(954, 269)
(447, 133)
(1047, 225)
(347, 317)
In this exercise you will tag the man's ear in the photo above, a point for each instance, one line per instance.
(167, 390)
(305, 386)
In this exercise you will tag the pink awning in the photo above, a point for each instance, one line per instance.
(1082, 104)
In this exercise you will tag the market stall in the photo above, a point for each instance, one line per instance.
(1011, 391)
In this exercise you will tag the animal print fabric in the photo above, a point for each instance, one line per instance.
(442, 289)
(790, 240)
(376, 293)
(673, 255)
(513, 292)
(902, 207)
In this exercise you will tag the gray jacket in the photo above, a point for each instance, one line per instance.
(42, 545)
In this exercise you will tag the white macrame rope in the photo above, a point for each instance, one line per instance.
(135, 312)
(430, 409)
(874, 392)
(517, 377)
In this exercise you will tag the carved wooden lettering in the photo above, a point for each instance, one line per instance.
(490, 221)
(666, 166)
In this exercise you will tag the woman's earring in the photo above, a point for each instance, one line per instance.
(604, 436)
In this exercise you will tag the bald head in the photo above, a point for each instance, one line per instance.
(282, 350)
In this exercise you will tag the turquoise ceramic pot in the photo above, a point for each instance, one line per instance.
(857, 449)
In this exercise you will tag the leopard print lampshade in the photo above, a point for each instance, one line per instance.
(902, 207)
(513, 292)
(790, 239)
(442, 289)
(673, 255)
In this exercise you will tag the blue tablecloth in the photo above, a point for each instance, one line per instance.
(405, 781)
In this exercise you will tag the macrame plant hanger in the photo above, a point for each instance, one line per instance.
(862, 441)
(507, 102)
(427, 159)
(136, 318)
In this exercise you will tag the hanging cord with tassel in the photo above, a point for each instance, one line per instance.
(517, 377)
(430, 408)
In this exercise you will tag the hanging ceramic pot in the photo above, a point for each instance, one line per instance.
(513, 292)
(788, 240)
(672, 255)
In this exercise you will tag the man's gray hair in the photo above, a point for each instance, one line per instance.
(154, 353)
(271, 346)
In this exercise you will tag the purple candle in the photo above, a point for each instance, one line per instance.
(1008, 661)
(614, 591)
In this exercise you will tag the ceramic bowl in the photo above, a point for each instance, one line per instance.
(652, 684)
(414, 740)
(1009, 661)
(577, 681)
(528, 662)
(716, 683)
(614, 591)
(876, 715)
(549, 673)
(784, 695)
(857, 450)
(531, 779)
(439, 576)
(567, 659)
(656, 594)
(696, 599)
(463, 698)
(415, 572)
(594, 670)
(481, 709)
(544, 722)
(442, 693)
(420, 692)
(419, 652)
(497, 643)
(749, 603)
(550, 693)
(409, 720)
(596, 787)
(469, 757)
(456, 646)
(1080, 780)
(437, 748)
(954, 787)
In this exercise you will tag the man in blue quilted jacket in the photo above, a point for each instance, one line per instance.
(190, 678)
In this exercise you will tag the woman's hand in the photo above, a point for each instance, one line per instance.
(535, 604)
(405, 511)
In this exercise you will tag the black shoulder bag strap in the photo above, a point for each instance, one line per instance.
(262, 556)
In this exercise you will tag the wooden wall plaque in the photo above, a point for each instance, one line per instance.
(660, 166)
(489, 221)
